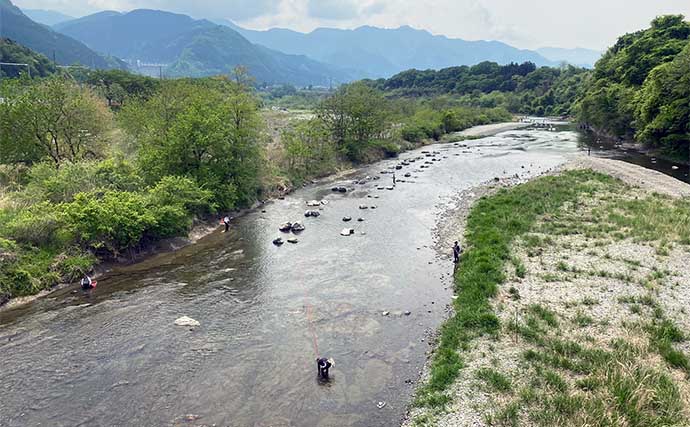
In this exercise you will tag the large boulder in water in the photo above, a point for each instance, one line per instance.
(278, 242)
(347, 232)
(297, 227)
(313, 203)
(186, 321)
(313, 214)
(285, 227)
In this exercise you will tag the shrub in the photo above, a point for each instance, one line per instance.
(37, 225)
(115, 221)
(183, 193)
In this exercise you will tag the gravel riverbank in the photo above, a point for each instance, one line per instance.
(601, 286)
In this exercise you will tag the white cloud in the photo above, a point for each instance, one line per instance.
(565, 23)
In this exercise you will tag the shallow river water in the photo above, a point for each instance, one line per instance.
(113, 356)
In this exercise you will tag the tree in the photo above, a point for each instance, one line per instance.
(207, 130)
(308, 148)
(53, 118)
(663, 106)
(354, 115)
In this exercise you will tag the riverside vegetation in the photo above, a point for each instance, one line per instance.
(98, 165)
(571, 310)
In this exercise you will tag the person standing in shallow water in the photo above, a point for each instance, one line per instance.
(226, 222)
(394, 179)
(322, 366)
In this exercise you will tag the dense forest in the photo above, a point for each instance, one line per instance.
(520, 88)
(641, 87)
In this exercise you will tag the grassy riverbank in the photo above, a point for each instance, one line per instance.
(569, 310)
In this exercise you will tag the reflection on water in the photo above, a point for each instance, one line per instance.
(112, 356)
(630, 154)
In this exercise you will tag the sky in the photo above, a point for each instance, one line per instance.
(593, 24)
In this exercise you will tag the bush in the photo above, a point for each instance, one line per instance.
(38, 225)
(183, 193)
(113, 222)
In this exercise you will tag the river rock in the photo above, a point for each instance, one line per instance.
(360, 219)
(408, 175)
(285, 227)
(278, 241)
(313, 203)
(293, 241)
(675, 168)
(347, 219)
(390, 187)
(297, 227)
(339, 189)
(347, 232)
(186, 321)
(313, 214)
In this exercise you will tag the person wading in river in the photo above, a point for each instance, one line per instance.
(322, 366)
(226, 222)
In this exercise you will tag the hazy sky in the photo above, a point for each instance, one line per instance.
(528, 24)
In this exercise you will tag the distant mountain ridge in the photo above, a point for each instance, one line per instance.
(380, 52)
(46, 17)
(194, 48)
(40, 38)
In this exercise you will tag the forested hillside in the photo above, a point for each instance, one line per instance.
(10, 51)
(520, 88)
(40, 38)
(641, 87)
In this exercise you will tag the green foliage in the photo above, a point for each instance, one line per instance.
(520, 88)
(663, 111)
(640, 87)
(37, 224)
(355, 115)
(48, 184)
(432, 121)
(53, 119)
(308, 149)
(112, 222)
(204, 130)
(12, 52)
(118, 85)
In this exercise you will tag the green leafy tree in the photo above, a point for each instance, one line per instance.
(309, 149)
(207, 130)
(51, 119)
(663, 106)
(355, 116)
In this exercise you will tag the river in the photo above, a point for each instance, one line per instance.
(113, 356)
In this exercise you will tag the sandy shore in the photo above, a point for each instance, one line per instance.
(630, 263)
(490, 130)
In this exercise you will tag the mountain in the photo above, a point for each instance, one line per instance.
(380, 52)
(579, 57)
(196, 48)
(46, 17)
(10, 51)
(38, 37)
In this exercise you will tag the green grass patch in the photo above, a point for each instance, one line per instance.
(492, 226)
(495, 380)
